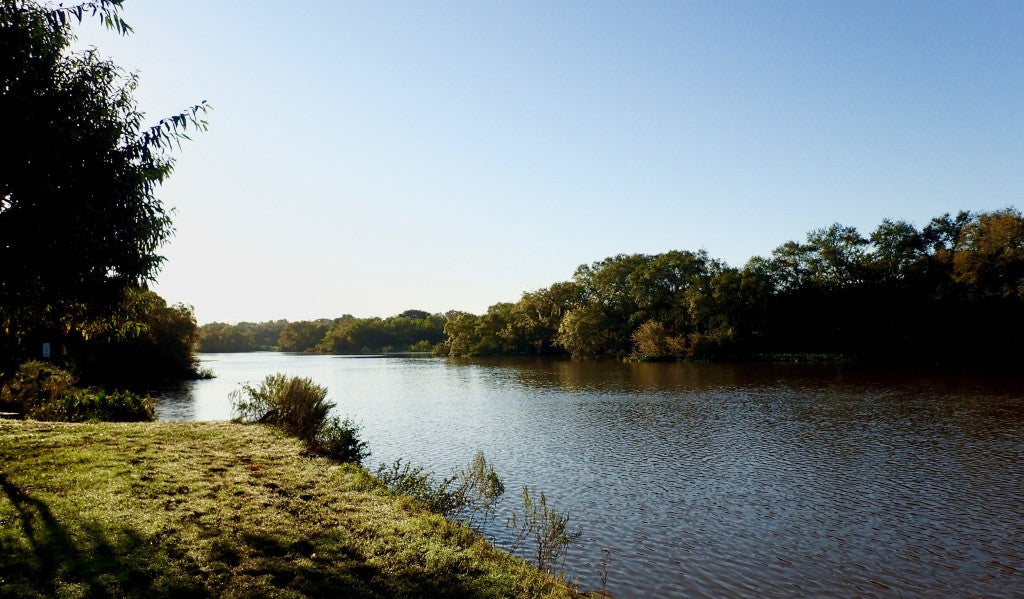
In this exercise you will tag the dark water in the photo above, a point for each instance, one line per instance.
(712, 480)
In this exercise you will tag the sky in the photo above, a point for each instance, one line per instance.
(368, 158)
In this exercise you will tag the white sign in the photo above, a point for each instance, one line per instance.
(46, 350)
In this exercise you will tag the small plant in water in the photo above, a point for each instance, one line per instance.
(602, 571)
(479, 489)
(541, 532)
(469, 495)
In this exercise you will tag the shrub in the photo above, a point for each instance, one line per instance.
(651, 341)
(44, 392)
(93, 404)
(339, 439)
(36, 382)
(300, 408)
(297, 405)
(423, 345)
(404, 479)
(479, 490)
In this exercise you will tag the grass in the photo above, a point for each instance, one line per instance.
(223, 509)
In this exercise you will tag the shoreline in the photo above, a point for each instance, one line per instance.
(219, 508)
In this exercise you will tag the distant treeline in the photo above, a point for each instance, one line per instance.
(410, 331)
(950, 292)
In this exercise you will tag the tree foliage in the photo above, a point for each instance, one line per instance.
(80, 223)
(144, 341)
(953, 290)
(410, 331)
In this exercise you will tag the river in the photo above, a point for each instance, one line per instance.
(709, 480)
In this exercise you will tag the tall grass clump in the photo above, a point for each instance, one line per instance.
(299, 407)
(42, 391)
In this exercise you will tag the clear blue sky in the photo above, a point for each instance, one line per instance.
(371, 157)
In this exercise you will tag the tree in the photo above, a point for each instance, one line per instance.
(460, 333)
(302, 335)
(584, 331)
(492, 333)
(898, 247)
(222, 337)
(789, 265)
(990, 256)
(145, 341)
(837, 256)
(943, 233)
(80, 224)
(538, 314)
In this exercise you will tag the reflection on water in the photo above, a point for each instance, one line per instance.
(708, 479)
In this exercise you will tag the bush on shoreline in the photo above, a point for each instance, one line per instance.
(300, 408)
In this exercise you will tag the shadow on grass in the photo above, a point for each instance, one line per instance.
(48, 559)
(92, 560)
(330, 566)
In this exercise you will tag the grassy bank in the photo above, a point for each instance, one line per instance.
(221, 509)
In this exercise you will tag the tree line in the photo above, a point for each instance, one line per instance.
(952, 291)
(410, 331)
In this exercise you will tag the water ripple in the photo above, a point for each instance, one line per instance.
(714, 480)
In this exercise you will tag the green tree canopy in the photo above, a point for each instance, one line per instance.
(952, 291)
(80, 223)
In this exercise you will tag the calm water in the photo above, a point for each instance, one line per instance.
(711, 480)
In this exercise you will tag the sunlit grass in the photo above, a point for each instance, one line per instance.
(200, 509)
